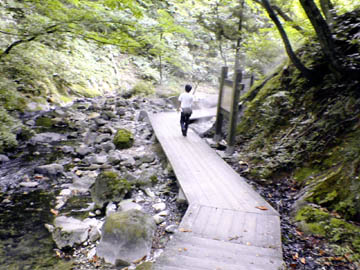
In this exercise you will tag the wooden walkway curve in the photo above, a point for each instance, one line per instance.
(223, 228)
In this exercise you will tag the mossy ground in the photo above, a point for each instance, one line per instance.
(309, 132)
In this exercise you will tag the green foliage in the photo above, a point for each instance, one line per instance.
(143, 88)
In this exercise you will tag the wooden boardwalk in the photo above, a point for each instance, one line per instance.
(224, 227)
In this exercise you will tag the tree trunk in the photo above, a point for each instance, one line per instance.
(287, 18)
(238, 42)
(324, 35)
(294, 59)
(327, 9)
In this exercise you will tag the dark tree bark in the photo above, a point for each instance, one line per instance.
(238, 42)
(294, 59)
(328, 10)
(324, 35)
(287, 18)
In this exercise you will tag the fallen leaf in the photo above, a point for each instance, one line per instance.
(54, 212)
(303, 261)
(185, 230)
(38, 177)
(185, 249)
(321, 252)
(139, 260)
(299, 233)
(264, 208)
(248, 243)
(296, 256)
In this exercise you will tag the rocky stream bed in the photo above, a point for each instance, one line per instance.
(49, 179)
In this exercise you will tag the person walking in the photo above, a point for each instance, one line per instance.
(185, 105)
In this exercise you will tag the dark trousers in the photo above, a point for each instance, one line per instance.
(184, 122)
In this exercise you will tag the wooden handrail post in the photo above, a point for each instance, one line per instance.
(233, 112)
(219, 116)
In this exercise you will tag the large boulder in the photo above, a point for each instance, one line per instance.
(109, 187)
(123, 139)
(126, 237)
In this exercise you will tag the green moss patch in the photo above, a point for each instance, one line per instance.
(321, 223)
(109, 187)
(123, 139)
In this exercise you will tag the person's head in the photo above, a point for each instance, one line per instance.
(188, 88)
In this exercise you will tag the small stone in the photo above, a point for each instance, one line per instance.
(98, 212)
(65, 192)
(159, 206)
(171, 228)
(164, 213)
(29, 184)
(149, 193)
(126, 205)
(158, 219)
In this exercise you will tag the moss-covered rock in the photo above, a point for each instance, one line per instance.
(338, 231)
(145, 266)
(126, 237)
(123, 139)
(109, 187)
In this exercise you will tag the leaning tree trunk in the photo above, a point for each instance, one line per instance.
(324, 35)
(294, 59)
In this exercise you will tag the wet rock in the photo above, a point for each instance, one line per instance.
(126, 237)
(50, 169)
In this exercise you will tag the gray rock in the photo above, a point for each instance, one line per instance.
(67, 149)
(142, 116)
(171, 228)
(126, 237)
(103, 138)
(114, 157)
(129, 161)
(121, 112)
(47, 137)
(50, 169)
(84, 150)
(158, 219)
(107, 147)
(69, 231)
(100, 122)
(3, 159)
(127, 205)
(148, 158)
(159, 206)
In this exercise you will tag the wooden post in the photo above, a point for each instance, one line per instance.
(233, 113)
(219, 116)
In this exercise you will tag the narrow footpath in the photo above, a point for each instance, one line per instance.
(227, 226)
